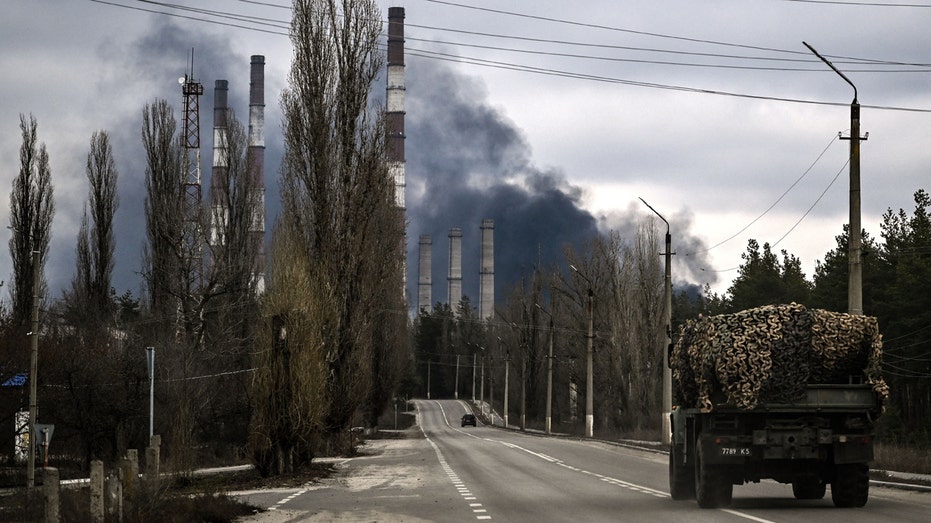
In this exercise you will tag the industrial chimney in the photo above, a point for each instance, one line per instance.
(454, 277)
(395, 101)
(425, 282)
(256, 155)
(394, 115)
(486, 307)
(219, 182)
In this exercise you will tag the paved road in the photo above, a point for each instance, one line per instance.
(452, 473)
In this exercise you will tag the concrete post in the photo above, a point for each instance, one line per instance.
(114, 500)
(51, 490)
(97, 505)
(132, 457)
(152, 457)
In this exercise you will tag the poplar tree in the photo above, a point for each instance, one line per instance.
(32, 208)
(339, 206)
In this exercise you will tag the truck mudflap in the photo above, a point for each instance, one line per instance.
(853, 449)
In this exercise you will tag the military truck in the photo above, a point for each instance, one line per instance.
(779, 392)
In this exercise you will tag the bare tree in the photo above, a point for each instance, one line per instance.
(339, 199)
(31, 210)
(163, 207)
(91, 287)
(290, 377)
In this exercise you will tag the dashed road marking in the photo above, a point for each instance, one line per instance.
(480, 512)
(278, 505)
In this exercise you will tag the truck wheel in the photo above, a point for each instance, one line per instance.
(851, 486)
(681, 478)
(808, 487)
(711, 489)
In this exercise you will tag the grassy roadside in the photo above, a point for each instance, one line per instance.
(191, 499)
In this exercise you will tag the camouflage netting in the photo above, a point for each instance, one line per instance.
(769, 354)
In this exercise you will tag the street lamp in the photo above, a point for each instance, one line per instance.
(667, 370)
(33, 371)
(150, 365)
(507, 369)
(855, 282)
(549, 374)
(589, 367)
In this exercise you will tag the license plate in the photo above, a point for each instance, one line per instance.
(735, 451)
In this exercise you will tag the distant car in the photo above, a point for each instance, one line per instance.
(469, 419)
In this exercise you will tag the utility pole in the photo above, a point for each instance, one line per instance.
(33, 373)
(589, 368)
(589, 365)
(482, 387)
(150, 365)
(456, 392)
(549, 375)
(854, 248)
(507, 371)
(474, 359)
(667, 370)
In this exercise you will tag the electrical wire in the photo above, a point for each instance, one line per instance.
(836, 176)
(856, 4)
(764, 213)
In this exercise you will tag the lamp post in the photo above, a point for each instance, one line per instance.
(456, 392)
(482, 381)
(549, 375)
(33, 373)
(150, 364)
(589, 367)
(855, 282)
(667, 370)
(507, 370)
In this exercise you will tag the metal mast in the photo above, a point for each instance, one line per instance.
(191, 188)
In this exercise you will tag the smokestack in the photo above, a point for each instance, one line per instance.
(425, 283)
(486, 307)
(395, 101)
(257, 162)
(454, 277)
(219, 183)
(394, 114)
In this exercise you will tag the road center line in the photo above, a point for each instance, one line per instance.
(476, 508)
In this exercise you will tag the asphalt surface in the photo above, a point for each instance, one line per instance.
(445, 472)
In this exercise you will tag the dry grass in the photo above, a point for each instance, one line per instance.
(193, 499)
(902, 458)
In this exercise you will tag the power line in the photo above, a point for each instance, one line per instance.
(857, 4)
(764, 213)
(539, 70)
(836, 176)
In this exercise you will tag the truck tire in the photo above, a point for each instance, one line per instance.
(712, 490)
(851, 486)
(681, 478)
(808, 487)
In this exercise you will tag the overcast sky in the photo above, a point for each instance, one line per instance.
(553, 118)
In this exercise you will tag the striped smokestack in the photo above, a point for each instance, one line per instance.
(454, 277)
(219, 182)
(486, 307)
(395, 101)
(425, 283)
(394, 115)
(257, 162)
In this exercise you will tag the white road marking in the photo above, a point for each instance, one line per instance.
(276, 506)
(453, 477)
